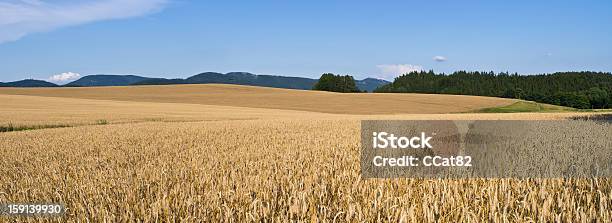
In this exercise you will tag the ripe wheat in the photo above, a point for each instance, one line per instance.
(260, 170)
(136, 160)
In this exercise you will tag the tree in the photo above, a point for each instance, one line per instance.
(326, 82)
(336, 83)
(598, 98)
(575, 89)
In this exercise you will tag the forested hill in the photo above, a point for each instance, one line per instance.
(28, 83)
(106, 80)
(573, 89)
(244, 78)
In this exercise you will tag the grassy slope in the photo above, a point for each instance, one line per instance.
(527, 106)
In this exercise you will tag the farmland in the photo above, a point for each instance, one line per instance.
(275, 98)
(234, 153)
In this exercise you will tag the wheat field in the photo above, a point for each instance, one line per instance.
(275, 98)
(169, 161)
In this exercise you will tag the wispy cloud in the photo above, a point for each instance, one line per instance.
(390, 71)
(64, 77)
(19, 18)
(439, 58)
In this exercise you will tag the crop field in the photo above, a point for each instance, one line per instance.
(276, 98)
(119, 157)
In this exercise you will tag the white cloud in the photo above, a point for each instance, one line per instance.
(64, 77)
(19, 18)
(390, 71)
(439, 58)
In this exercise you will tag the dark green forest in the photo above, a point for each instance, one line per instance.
(336, 83)
(583, 90)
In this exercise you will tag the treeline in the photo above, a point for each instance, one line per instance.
(573, 89)
(336, 83)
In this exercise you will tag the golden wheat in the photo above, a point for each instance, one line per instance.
(166, 162)
(36, 110)
(276, 98)
(259, 170)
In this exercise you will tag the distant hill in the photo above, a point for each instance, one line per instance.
(239, 78)
(160, 81)
(28, 83)
(244, 78)
(106, 80)
(370, 84)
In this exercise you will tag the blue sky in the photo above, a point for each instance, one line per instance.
(180, 38)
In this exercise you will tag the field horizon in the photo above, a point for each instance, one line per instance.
(38, 108)
(251, 154)
(276, 98)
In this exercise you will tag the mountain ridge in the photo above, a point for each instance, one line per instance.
(239, 78)
(245, 78)
(28, 83)
(98, 80)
